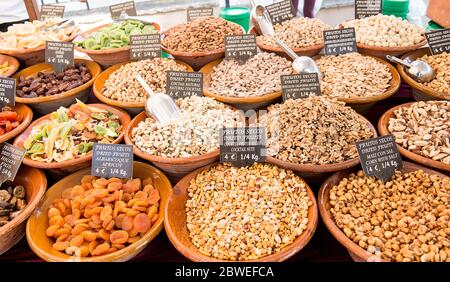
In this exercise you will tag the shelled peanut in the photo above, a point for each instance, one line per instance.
(101, 216)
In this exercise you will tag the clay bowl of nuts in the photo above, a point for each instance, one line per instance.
(421, 131)
(383, 35)
(61, 142)
(402, 220)
(8, 65)
(109, 44)
(14, 120)
(127, 215)
(439, 87)
(188, 143)
(45, 91)
(110, 87)
(17, 201)
(358, 80)
(219, 204)
(200, 41)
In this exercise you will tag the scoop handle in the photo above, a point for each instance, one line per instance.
(286, 48)
(398, 61)
(144, 84)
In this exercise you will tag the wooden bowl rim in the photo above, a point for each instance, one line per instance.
(299, 243)
(314, 168)
(98, 91)
(93, 67)
(27, 118)
(383, 129)
(12, 62)
(232, 100)
(68, 163)
(394, 85)
(120, 253)
(329, 222)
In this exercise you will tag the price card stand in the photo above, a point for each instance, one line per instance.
(145, 46)
(340, 41)
(52, 11)
(195, 13)
(367, 8)
(182, 84)
(240, 47)
(299, 86)
(10, 160)
(112, 160)
(128, 8)
(439, 41)
(7, 92)
(242, 146)
(379, 157)
(59, 54)
(281, 11)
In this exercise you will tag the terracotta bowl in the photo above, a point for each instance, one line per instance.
(106, 58)
(363, 104)
(304, 51)
(12, 62)
(176, 230)
(383, 124)
(314, 173)
(48, 104)
(243, 103)
(27, 115)
(420, 91)
(131, 107)
(38, 222)
(195, 59)
(29, 57)
(63, 168)
(35, 183)
(356, 252)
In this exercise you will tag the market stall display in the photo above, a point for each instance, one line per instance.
(14, 120)
(8, 65)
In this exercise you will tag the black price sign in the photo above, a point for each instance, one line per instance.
(367, 8)
(10, 160)
(59, 54)
(242, 146)
(340, 41)
(240, 47)
(145, 46)
(7, 91)
(112, 160)
(181, 84)
(52, 11)
(299, 86)
(379, 157)
(439, 41)
(195, 13)
(281, 11)
(128, 8)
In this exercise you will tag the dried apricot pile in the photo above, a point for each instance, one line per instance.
(101, 216)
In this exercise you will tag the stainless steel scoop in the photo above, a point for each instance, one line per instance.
(159, 105)
(418, 70)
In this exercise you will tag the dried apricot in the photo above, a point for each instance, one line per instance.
(53, 212)
(153, 197)
(147, 181)
(119, 220)
(114, 186)
(62, 231)
(99, 193)
(141, 195)
(50, 232)
(105, 213)
(118, 237)
(87, 179)
(77, 241)
(142, 222)
(92, 245)
(101, 249)
(104, 234)
(77, 191)
(70, 220)
(60, 246)
(88, 235)
(79, 228)
(56, 220)
(132, 185)
(127, 223)
(118, 246)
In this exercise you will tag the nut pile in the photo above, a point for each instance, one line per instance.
(246, 213)
(200, 35)
(423, 128)
(316, 130)
(353, 75)
(12, 202)
(121, 85)
(51, 83)
(386, 31)
(195, 133)
(297, 33)
(101, 216)
(403, 220)
(441, 65)
(257, 76)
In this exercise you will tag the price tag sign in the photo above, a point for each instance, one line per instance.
(379, 157)
(7, 92)
(242, 146)
(299, 86)
(340, 41)
(145, 46)
(112, 160)
(240, 47)
(182, 84)
(281, 11)
(195, 13)
(367, 8)
(52, 11)
(10, 160)
(128, 8)
(439, 41)
(59, 54)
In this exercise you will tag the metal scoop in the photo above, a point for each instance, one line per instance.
(159, 105)
(124, 16)
(418, 70)
(60, 25)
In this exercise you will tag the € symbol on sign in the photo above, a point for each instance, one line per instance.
(101, 170)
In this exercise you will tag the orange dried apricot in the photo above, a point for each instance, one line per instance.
(147, 181)
(53, 212)
(92, 245)
(79, 228)
(88, 235)
(119, 220)
(105, 213)
(70, 220)
(56, 220)
(60, 246)
(104, 234)
(87, 179)
(132, 185)
(101, 249)
(77, 241)
(127, 223)
(62, 231)
(99, 193)
(114, 186)
(118, 237)
(50, 232)
(142, 222)
(153, 197)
